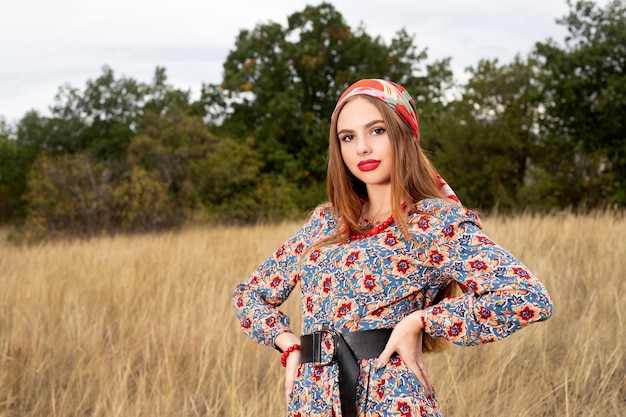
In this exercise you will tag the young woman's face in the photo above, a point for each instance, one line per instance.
(365, 146)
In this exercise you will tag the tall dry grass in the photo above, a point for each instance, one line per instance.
(143, 326)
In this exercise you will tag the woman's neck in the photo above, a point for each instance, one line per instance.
(378, 205)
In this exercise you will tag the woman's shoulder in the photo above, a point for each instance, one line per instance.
(324, 211)
(321, 216)
(436, 213)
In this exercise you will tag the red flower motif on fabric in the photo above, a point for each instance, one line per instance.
(309, 304)
(448, 231)
(280, 252)
(299, 248)
(404, 408)
(314, 256)
(485, 240)
(436, 310)
(390, 240)
(369, 282)
(246, 323)
(521, 272)
(478, 264)
(351, 258)
(318, 371)
(526, 313)
(276, 281)
(327, 285)
(485, 314)
(472, 216)
(343, 309)
(436, 257)
(271, 322)
(402, 266)
(456, 330)
(471, 284)
(423, 223)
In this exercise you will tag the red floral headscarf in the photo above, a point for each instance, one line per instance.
(396, 97)
(390, 93)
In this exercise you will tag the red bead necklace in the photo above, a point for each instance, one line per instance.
(374, 230)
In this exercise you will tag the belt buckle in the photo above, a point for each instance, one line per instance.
(320, 342)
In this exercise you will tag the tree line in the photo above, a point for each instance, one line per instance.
(546, 131)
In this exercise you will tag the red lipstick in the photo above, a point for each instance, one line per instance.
(368, 165)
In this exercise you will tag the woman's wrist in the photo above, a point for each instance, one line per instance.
(284, 340)
(418, 319)
(283, 358)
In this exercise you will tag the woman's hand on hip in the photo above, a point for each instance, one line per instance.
(406, 341)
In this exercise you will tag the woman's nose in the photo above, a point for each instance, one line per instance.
(362, 147)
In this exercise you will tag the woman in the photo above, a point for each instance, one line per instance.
(378, 267)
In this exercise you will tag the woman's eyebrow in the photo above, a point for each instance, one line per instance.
(369, 124)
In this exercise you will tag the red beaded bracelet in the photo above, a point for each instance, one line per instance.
(283, 357)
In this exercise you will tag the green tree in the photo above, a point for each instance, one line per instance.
(202, 170)
(103, 118)
(281, 84)
(12, 174)
(141, 202)
(75, 195)
(584, 129)
(167, 145)
(485, 140)
(68, 195)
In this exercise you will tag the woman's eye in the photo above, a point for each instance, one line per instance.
(378, 130)
(346, 138)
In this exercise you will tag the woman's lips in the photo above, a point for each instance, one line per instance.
(368, 165)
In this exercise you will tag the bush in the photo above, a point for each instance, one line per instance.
(71, 195)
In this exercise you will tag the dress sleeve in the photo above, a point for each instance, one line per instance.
(256, 300)
(500, 295)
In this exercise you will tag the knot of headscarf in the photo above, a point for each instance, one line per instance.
(396, 97)
(390, 93)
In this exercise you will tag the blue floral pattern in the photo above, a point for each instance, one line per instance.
(373, 283)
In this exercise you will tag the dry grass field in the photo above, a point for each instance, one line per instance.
(143, 326)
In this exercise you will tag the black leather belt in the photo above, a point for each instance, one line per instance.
(346, 349)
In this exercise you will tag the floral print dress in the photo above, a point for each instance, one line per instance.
(373, 283)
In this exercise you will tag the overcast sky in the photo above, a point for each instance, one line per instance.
(47, 43)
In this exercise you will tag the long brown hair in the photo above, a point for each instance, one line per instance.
(413, 178)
